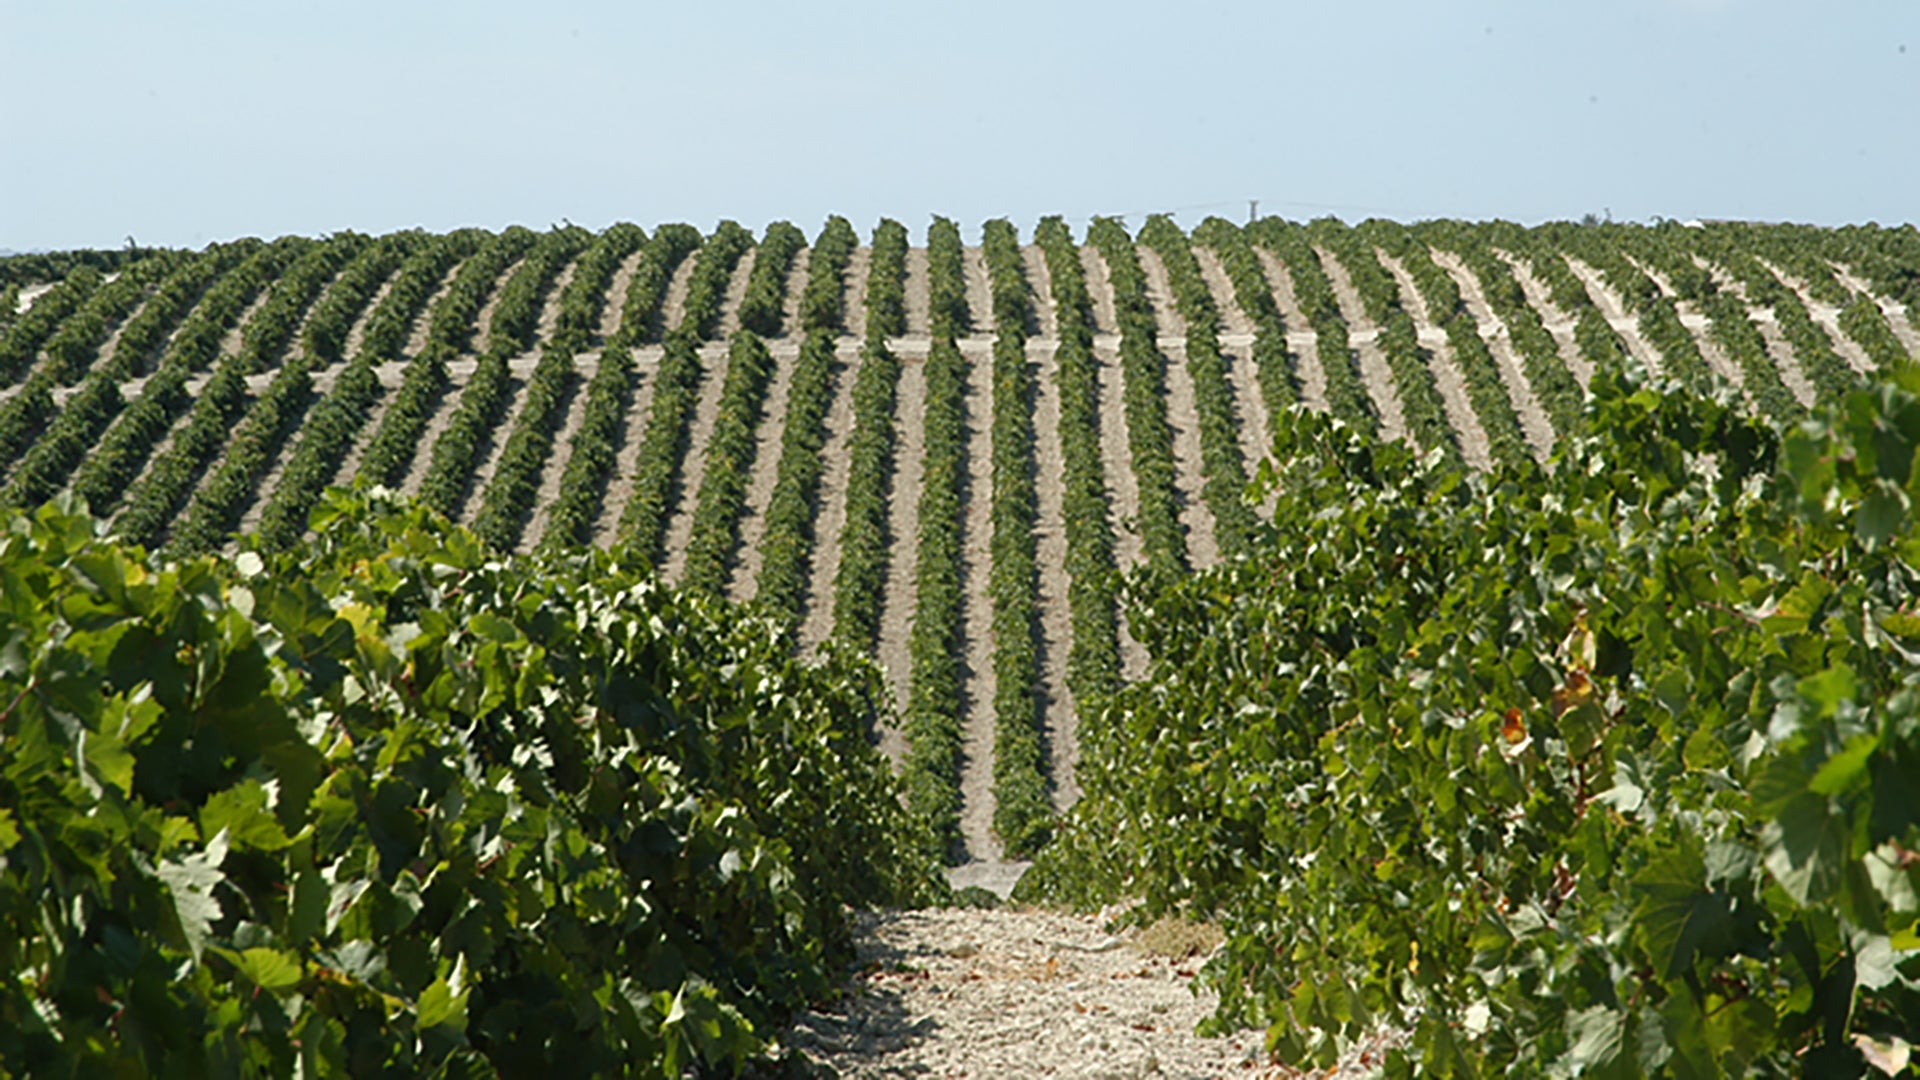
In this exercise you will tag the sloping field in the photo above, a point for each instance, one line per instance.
(937, 453)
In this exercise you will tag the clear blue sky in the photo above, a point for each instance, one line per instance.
(180, 123)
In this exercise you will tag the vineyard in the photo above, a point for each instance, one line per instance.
(1016, 475)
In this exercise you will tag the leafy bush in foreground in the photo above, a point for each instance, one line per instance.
(385, 806)
(1609, 770)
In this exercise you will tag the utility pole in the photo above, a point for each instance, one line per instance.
(1253, 210)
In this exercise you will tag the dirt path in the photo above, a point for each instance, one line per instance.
(423, 322)
(1050, 536)
(673, 307)
(919, 296)
(1232, 319)
(1827, 317)
(1302, 341)
(1099, 290)
(555, 467)
(1700, 327)
(614, 310)
(1475, 446)
(1363, 336)
(1625, 326)
(1189, 471)
(1021, 993)
(1559, 325)
(853, 300)
(980, 322)
(1166, 314)
(796, 292)
(736, 293)
(1899, 319)
(978, 682)
(236, 335)
(442, 416)
(693, 467)
(903, 524)
(633, 429)
(1533, 419)
(1767, 322)
(766, 468)
(830, 516)
(357, 333)
(1123, 493)
(350, 461)
(30, 293)
(1034, 263)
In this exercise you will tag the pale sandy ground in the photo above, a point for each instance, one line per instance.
(1302, 341)
(1559, 324)
(1768, 324)
(1446, 370)
(1533, 419)
(1615, 312)
(1024, 993)
(1363, 337)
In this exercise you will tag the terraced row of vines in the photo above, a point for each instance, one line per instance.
(945, 457)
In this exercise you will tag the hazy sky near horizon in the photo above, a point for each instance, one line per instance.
(188, 122)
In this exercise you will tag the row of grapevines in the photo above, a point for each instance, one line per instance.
(1149, 436)
(707, 288)
(487, 393)
(450, 326)
(1022, 807)
(1600, 770)
(1347, 396)
(762, 307)
(1658, 318)
(1093, 657)
(932, 720)
(324, 338)
(164, 488)
(387, 802)
(640, 318)
(1887, 258)
(1553, 385)
(585, 298)
(31, 329)
(1728, 321)
(103, 478)
(1440, 294)
(339, 417)
(70, 353)
(1222, 463)
(865, 539)
(786, 548)
(730, 453)
(516, 479)
(1812, 348)
(1279, 383)
(1413, 381)
(592, 458)
(1593, 336)
(270, 420)
(46, 465)
(663, 447)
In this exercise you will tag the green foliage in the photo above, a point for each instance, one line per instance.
(730, 454)
(760, 307)
(659, 258)
(1022, 806)
(591, 460)
(385, 806)
(1603, 769)
(656, 468)
(1347, 396)
(865, 537)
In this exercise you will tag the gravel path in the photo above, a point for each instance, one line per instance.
(1559, 324)
(978, 682)
(854, 296)
(903, 525)
(919, 297)
(736, 293)
(1302, 342)
(1471, 433)
(831, 512)
(1364, 337)
(614, 310)
(1533, 419)
(693, 467)
(1040, 280)
(1123, 493)
(1189, 475)
(1099, 290)
(968, 993)
(633, 428)
(766, 468)
(1616, 315)
(973, 261)
(1050, 539)
(423, 322)
(673, 307)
